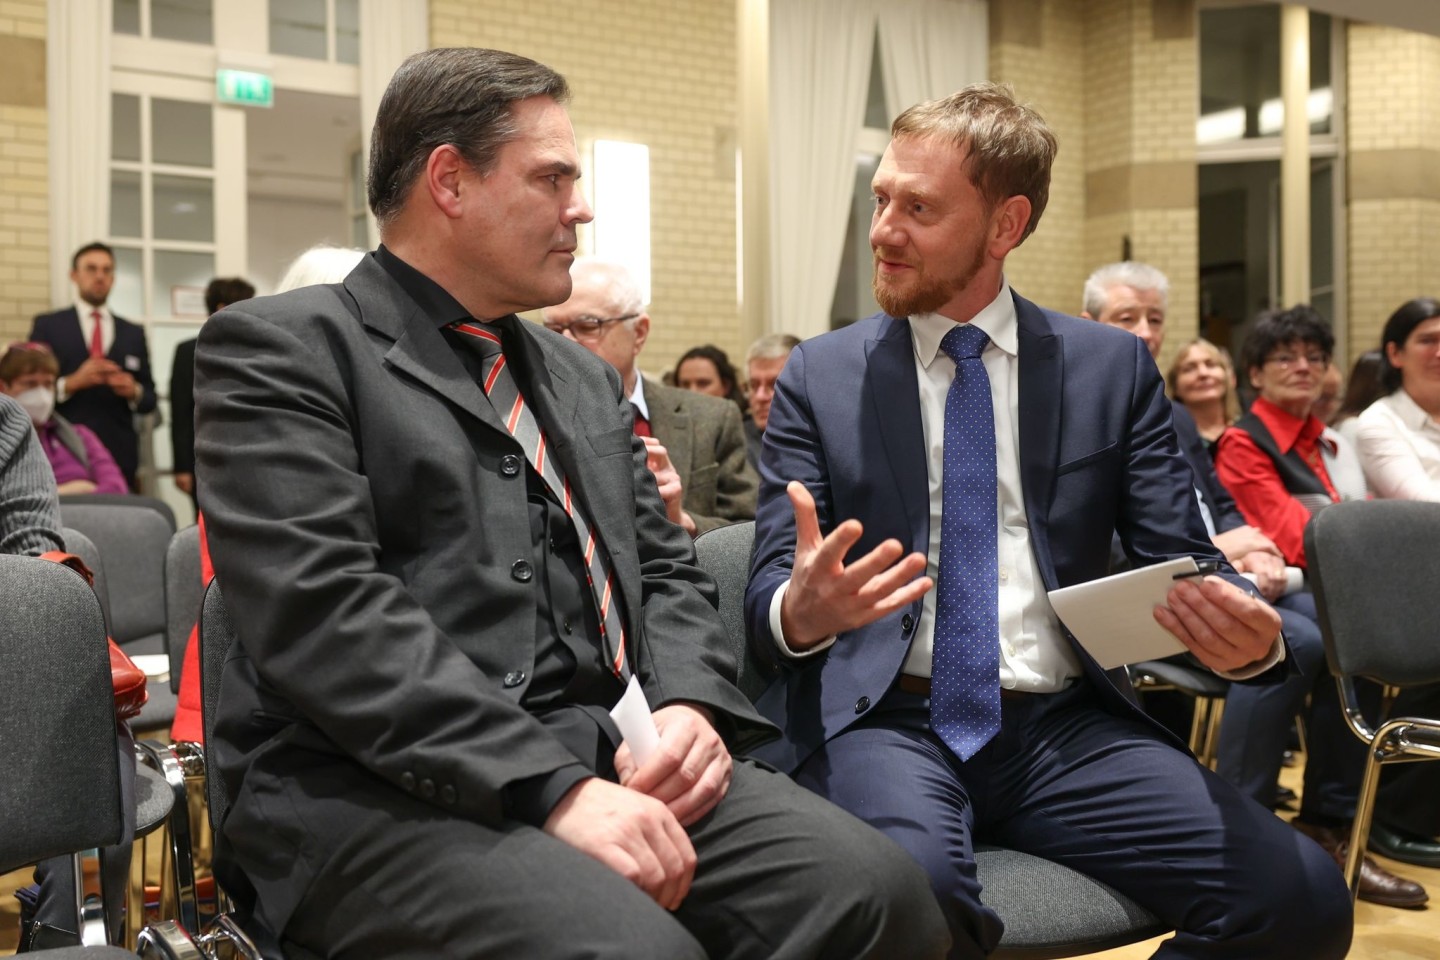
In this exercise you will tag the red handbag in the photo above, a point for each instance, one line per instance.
(127, 679)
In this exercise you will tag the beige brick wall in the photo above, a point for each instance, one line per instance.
(24, 183)
(1394, 210)
(659, 72)
(1045, 66)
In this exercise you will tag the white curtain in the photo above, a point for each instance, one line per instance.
(931, 48)
(819, 67)
(77, 75)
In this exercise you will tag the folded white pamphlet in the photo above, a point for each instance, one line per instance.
(1113, 617)
(637, 726)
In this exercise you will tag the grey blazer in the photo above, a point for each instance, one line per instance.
(368, 526)
(706, 442)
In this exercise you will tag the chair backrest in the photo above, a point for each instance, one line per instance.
(216, 636)
(1372, 566)
(133, 533)
(84, 548)
(724, 553)
(183, 595)
(60, 790)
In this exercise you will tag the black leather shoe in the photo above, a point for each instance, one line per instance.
(1377, 884)
(1403, 846)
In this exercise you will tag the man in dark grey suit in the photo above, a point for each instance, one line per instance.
(414, 501)
(696, 444)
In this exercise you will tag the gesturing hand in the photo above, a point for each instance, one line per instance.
(690, 769)
(634, 835)
(1225, 627)
(667, 479)
(826, 597)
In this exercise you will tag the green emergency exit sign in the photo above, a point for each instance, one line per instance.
(244, 88)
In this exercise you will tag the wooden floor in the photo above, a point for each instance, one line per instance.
(1381, 933)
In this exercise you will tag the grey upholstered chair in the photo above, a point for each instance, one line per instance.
(132, 534)
(1207, 689)
(1372, 568)
(62, 793)
(1049, 910)
(183, 595)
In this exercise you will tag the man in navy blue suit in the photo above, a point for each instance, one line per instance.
(104, 362)
(971, 441)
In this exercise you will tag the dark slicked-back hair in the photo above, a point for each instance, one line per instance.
(1398, 328)
(91, 248)
(1009, 148)
(224, 291)
(1275, 328)
(458, 95)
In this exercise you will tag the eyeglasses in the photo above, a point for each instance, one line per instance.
(1287, 360)
(587, 328)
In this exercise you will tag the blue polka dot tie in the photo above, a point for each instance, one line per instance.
(965, 682)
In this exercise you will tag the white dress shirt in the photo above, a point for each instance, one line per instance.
(1399, 448)
(637, 398)
(85, 313)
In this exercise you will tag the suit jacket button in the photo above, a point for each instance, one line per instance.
(906, 622)
(510, 465)
(520, 570)
(862, 704)
(407, 780)
(427, 788)
(514, 678)
(447, 795)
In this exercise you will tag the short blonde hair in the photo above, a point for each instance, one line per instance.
(1222, 356)
(1009, 148)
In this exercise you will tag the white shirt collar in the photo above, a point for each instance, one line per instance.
(637, 398)
(1410, 413)
(84, 309)
(997, 320)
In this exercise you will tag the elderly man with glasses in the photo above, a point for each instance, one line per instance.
(696, 443)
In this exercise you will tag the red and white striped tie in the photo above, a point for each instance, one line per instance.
(504, 394)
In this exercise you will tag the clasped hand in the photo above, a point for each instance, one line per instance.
(637, 827)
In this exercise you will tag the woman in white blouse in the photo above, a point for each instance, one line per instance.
(1398, 437)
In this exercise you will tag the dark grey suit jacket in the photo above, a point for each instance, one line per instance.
(706, 443)
(366, 524)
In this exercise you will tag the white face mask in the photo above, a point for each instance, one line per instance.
(39, 403)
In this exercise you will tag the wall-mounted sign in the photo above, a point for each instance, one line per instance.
(244, 88)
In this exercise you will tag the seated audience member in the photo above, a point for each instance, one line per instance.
(1257, 717)
(322, 263)
(220, 293)
(1327, 404)
(707, 369)
(763, 363)
(1279, 462)
(1365, 385)
(696, 444)
(30, 526)
(81, 463)
(1398, 437)
(971, 440)
(445, 559)
(1203, 380)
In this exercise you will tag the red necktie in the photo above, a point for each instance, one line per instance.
(642, 426)
(97, 338)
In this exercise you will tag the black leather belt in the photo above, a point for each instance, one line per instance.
(920, 686)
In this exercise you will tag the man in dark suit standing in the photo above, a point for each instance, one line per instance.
(970, 440)
(695, 443)
(104, 362)
(219, 294)
(444, 558)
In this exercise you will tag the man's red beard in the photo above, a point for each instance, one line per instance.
(924, 293)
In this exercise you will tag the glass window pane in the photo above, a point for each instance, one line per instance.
(360, 232)
(124, 126)
(127, 17)
(174, 269)
(297, 28)
(180, 131)
(875, 113)
(1321, 105)
(184, 208)
(1322, 224)
(125, 204)
(347, 31)
(854, 295)
(187, 20)
(1239, 73)
(125, 296)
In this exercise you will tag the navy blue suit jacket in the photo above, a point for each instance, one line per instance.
(99, 408)
(1098, 455)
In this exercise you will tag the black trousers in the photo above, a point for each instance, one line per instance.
(782, 874)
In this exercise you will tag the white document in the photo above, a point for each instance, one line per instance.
(1113, 617)
(155, 666)
(632, 716)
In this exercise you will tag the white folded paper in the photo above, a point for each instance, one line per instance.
(1113, 617)
(632, 716)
